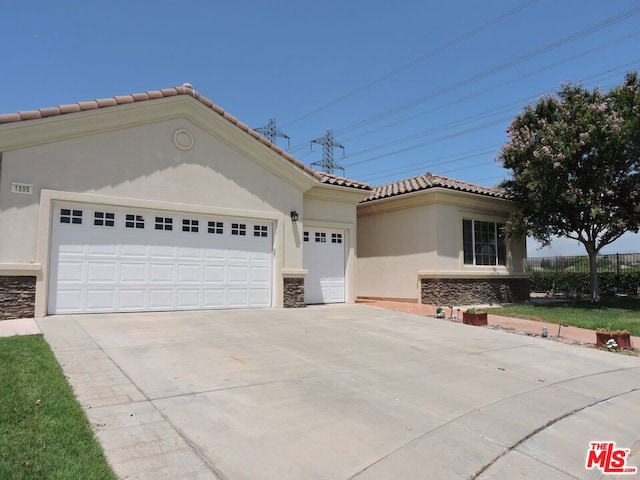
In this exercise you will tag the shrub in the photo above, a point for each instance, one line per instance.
(579, 282)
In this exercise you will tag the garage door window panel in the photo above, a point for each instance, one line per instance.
(104, 219)
(216, 228)
(71, 216)
(190, 225)
(239, 229)
(164, 223)
(261, 231)
(134, 221)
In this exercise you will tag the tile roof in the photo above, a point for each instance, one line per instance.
(185, 89)
(425, 182)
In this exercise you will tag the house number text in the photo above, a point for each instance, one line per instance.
(25, 188)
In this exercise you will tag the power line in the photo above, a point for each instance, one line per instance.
(417, 60)
(498, 68)
(436, 140)
(491, 71)
(502, 84)
(447, 137)
(440, 128)
(468, 119)
(446, 160)
(427, 165)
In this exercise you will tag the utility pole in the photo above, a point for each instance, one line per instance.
(271, 132)
(327, 164)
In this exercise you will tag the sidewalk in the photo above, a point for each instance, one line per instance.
(566, 334)
(22, 326)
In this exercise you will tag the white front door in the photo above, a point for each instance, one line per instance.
(324, 258)
(113, 259)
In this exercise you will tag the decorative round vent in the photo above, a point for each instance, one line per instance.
(183, 140)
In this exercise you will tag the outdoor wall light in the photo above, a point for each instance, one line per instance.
(294, 216)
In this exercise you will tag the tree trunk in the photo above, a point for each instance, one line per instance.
(593, 270)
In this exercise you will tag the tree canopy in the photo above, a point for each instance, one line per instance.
(575, 167)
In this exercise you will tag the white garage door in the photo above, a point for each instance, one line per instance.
(107, 259)
(324, 253)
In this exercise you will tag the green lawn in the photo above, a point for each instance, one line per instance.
(44, 433)
(616, 313)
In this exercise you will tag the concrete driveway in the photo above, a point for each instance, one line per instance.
(341, 392)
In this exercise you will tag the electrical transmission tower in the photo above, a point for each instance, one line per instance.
(271, 132)
(327, 164)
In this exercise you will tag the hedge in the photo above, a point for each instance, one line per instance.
(577, 282)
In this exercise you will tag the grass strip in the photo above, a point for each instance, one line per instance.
(614, 313)
(44, 433)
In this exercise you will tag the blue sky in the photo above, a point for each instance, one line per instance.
(407, 87)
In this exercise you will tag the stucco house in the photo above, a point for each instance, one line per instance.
(163, 201)
(438, 241)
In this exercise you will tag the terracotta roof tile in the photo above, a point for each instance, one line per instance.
(106, 102)
(48, 112)
(10, 117)
(428, 181)
(70, 108)
(169, 92)
(155, 94)
(30, 114)
(343, 181)
(90, 105)
(120, 100)
(186, 89)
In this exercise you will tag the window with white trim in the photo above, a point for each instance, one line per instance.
(215, 228)
(104, 219)
(321, 237)
(336, 238)
(483, 243)
(70, 216)
(305, 236)
(189, 225)
(238, 229)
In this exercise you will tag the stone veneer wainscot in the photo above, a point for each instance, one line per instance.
(465, 291)
(17, 297)
(294, 293)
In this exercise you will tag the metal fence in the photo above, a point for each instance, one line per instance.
(612, 262)
(618, 272)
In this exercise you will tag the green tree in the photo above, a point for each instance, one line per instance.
(575, 167)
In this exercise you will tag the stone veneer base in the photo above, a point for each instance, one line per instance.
(465, 291)
(17, 297)
(293, 293)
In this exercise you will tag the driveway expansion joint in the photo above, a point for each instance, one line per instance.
(547, 425)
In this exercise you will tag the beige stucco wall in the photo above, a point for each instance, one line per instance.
(127, 156)
(392, 247)
(404, 238)
(142, 163)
